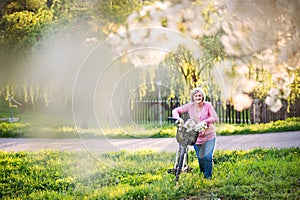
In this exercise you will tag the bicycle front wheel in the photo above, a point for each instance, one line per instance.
(180, 162)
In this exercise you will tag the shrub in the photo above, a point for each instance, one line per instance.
(13, 129)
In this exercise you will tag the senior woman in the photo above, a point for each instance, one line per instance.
(201, 111)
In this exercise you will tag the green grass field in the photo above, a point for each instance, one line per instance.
(65, 130)
(51, 125)
(256, 174)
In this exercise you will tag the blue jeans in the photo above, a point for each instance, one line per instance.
(204, 154)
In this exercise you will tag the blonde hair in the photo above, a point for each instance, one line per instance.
(196, 90)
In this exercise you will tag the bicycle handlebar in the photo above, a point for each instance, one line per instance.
(172, 119)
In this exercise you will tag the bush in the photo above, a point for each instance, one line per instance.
(13, 129)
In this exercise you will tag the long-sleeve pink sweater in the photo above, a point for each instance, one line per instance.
(207, 114)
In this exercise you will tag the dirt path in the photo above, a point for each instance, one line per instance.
(238, 142)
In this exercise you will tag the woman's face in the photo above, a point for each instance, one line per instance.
(198, 97)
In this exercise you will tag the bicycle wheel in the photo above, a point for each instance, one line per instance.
(180, 162)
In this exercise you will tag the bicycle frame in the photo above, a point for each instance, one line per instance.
(181, 158)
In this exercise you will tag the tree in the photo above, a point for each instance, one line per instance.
(25, 28)
(42, 44)
(256, 35)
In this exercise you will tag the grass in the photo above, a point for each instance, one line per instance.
(256, 174)
(290, 124)
(63, 130)
(50, 125)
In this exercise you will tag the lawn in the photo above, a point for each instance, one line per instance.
(50, 125)
(256, 174)
(66, 130)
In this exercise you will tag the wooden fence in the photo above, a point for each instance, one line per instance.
(153, 110)
(260, 113)
(158, 111)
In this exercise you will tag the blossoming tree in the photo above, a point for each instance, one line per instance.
(256, 36)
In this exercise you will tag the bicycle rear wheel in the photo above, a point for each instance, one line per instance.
(180, 162)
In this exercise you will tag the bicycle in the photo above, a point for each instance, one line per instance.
(185, 137)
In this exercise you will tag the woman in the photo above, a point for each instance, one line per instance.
(201, 110)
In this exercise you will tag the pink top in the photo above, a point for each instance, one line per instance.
(207, 114)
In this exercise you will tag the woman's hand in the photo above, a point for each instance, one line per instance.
(179, 121)
(202, 134)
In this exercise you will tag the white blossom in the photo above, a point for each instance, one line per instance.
(192, 125)
(137, 36)
(265, 33)
(241, 101)
(122, 31)
(274, 104)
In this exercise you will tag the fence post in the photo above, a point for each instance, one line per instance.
(237, 117)
(256, 112)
